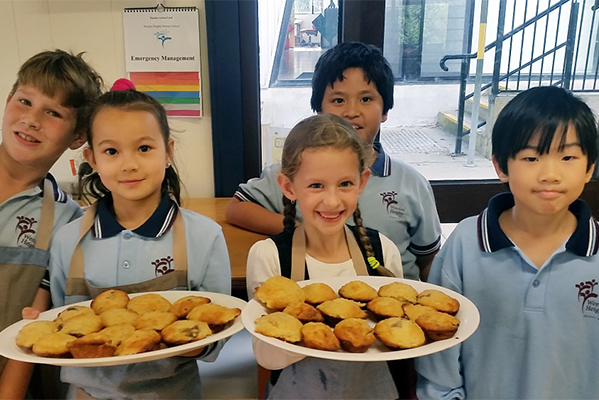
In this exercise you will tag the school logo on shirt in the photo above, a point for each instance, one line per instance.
(393, 208)
(163, 266)
(588, 297)
(26, 233)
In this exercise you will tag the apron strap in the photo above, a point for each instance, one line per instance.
(77, 262)
(356, 254)
(179, 243)
(77, 285)
(298, 254)
(47, 217)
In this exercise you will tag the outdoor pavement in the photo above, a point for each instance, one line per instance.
(430, 150)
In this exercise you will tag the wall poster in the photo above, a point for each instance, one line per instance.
(162, 53)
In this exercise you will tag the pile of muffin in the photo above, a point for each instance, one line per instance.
(116, 325)
(319, 318)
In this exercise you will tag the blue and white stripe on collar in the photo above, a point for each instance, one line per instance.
(382, 163)
(60, 195)
(106, 225)
(583, 242)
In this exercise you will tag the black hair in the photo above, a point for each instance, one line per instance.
(547, 111)
(90, 183)
(331, 65)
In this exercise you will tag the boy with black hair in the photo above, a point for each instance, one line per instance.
(529, 262)
(45, 114)
(354, 80)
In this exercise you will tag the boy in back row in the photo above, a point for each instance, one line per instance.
(44, 115)
(354, 81)
(528, 262)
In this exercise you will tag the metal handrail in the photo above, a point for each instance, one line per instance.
(506, 36)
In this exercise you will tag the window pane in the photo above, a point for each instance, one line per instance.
(293, 35)
(418, 34)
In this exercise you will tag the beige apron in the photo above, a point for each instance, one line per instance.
(23, 269)
(77, 285)
(298, 254)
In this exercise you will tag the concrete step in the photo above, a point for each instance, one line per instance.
(483, 110)
(449, 122)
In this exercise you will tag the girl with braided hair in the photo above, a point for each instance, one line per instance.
(323, 173)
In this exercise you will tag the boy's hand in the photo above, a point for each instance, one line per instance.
(30, 313)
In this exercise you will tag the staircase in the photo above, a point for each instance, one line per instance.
(449, 122)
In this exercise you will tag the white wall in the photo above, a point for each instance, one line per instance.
(96, 27)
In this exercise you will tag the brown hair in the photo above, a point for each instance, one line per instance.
(319, 131)
(65, 75)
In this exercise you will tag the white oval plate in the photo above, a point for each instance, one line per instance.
(468, 315)
(9, 348)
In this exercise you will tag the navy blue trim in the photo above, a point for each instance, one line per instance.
(583, 241)
(106, 225)
(242, 195)
(60, 195)
(382, 163)
(425, 250)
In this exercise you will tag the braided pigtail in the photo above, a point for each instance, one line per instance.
(374, 263)
(364, 237)
(289, 213)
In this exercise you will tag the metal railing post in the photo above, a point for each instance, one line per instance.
(464, 72)
(570, 44)
(480, 58)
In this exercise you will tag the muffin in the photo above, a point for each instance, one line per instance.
(317, 335)
(215, 315)
(71, 312)
(413, 311)
(278, 292)
(385, 307)
(339, 309)
(33, 331)
(281, 326)
(117, 333)
(400, 291)
(438, 325)
(399, 333)
(53, 345)
(304, 312)
(354, 334)
(358, 291)
(184, 305)
(439, 301)
(185, 331)
(317, 293)
(94, 345)
(81, 325)
(156, 320)
(108, 299)
(139, 342)
(116, 316)
(148, 302)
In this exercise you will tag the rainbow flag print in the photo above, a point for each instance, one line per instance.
(178, 92)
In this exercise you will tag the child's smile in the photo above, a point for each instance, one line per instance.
(326, 187)
(36, 128)
(130, 155)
